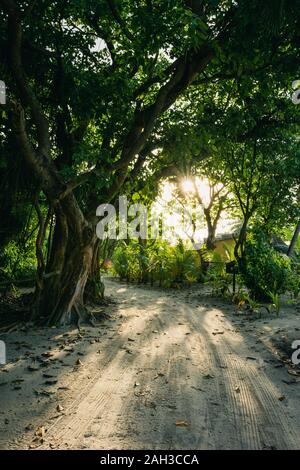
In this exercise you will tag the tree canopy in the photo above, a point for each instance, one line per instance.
(110, 96)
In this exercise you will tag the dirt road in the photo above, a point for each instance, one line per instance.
(166, 370)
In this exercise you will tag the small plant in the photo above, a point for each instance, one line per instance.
(255, 307)
(276, 304)
(241, 298)
(217, 277)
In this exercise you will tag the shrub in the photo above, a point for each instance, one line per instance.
(120, 261)
(294, 279)
(157, 261)
(264, 270)
(184, 265)
(216, 275)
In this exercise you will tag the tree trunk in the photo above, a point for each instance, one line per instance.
(294, 240)
(240, 244)
(61, 300)
(94, 290)
(210, 230)
(211, 238)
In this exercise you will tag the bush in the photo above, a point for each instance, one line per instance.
(126, 262)
(264, 270)
(17, 261)
(294, 279)
(156, 262)
(217, 276)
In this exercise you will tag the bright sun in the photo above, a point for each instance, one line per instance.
(188, 186)
(202, 186)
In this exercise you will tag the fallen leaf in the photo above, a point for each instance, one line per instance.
(41, 431)
(50, 382)
(29, 427)
(197, 388)
(182, 424)
(47, 354)
(45, 393)
(32, 368)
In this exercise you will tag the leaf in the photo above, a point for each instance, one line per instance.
(208, 376)
(32, 368)
(29, 427)
(47, 354)
(51, 382)
(41, 431)
(43, 392)
(47, 375)
(182, 423)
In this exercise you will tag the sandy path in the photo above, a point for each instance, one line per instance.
(172, 372)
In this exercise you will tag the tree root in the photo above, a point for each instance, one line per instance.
(76, 315)
(84, 316)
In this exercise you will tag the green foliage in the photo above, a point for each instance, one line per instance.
(294, 278)
(18, 261)
(158, 262)
(265, 272)
(240, 297)
(183, 265)
(276, 304)
(217, 276)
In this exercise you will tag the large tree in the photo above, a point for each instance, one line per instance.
(89, 84)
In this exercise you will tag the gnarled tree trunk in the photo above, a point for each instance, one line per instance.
(61, 299)
(94, 290)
